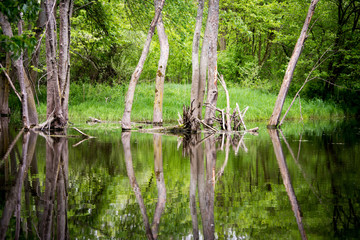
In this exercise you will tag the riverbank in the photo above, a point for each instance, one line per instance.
(107, 103)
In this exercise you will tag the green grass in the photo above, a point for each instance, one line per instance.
(107, 103)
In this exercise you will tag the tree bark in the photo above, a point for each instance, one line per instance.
(29, 117)
(4, 90)
(274, 120)
(212, 91)
(195, 101)
(126, 119)
(58, 72)
(160, 74)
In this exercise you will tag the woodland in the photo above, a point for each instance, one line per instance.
(291, 47)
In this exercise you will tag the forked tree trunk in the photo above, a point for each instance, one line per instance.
(212, 91)
(274, 120)
(160, 74)
(126, 119)
(194, 102)
(58, 72)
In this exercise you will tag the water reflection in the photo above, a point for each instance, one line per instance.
(204, 181)
(48, 217)
(151, 231)
(274, 135)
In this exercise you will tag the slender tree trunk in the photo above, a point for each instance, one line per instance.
(29, 117)
(212, 91)
(4, 90)
(195, 101)
(126, 119)
(274, 120)
(160, 74)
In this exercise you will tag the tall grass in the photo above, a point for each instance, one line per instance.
(107, 103)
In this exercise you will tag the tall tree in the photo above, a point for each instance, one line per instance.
(126, 119)
(160, 74)
(207, 69)
(195, 89)
(274, 120)
(58, 66)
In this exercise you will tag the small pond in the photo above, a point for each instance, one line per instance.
(299, 183)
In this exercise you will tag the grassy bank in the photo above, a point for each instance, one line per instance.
(107, 103)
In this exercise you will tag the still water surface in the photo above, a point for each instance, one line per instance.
(299, 183)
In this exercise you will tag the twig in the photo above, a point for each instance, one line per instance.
(228, 121)
(241, 117)
(206, 125)
(11, 83)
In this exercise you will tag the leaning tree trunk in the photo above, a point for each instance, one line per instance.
(30, 116)
(194, 103)
(58, 75)
(274, 120)
(160, 74)
(212, 91)
(126, 119)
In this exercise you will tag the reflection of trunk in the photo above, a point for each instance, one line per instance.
(274, 120)
(207, 209)
(274, 134)
(160, 74)
(126, 119)
(151, 232)
(160, 183)
(196, 153)
(205, 183)
(13, 201)
(56, 181)
(125, 139)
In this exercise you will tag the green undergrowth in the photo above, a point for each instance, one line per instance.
(107, 103)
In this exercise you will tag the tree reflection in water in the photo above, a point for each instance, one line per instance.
(151, 231)
(274, 135)
(38, 222)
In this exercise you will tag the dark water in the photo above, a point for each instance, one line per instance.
(303, 182)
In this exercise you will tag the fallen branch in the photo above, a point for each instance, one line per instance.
(82, 133)
(241, 117)
(228, 121)
(206, 125)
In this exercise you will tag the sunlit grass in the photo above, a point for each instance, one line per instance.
(107, 103)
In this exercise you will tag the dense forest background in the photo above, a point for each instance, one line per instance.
(256, 39)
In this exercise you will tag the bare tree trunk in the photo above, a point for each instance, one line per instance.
(160, 74)
(126, 119)
(274, 120)
(58, 72)
(66, 7)
(194, 104)
(212, 91)
(4, 90)
(29, 117)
